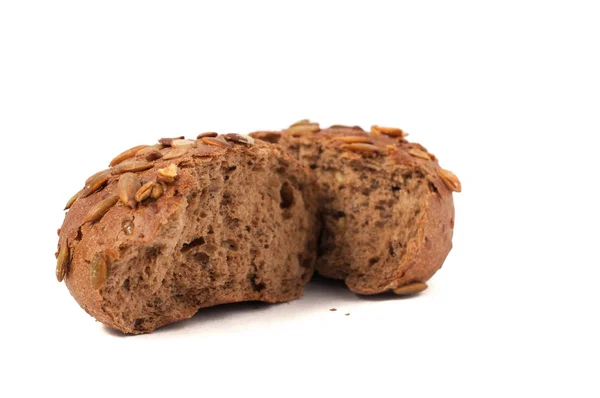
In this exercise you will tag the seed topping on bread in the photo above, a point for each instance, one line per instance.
(72, 200)
(100, 209)
(214, 141)
(150, 153)
(300, 128)
(167, 174)
(391, 131)
(412, 288)
(95, 184)
(98, 271)
(450, 179)
(207, 134)
(62, 262)
(175, 153)
(129, 184)
(169, 141)
(362, 147)
(183, 143)
(301, 123)
(419, 153)
(144, 192)
(128, 154)
(132, 166)
(239, 138)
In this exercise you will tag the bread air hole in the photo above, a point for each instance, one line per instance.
(287, 195)
(201, 258)
(194, 243)
(228, 172)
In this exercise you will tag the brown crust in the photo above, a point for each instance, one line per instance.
(86, 240)
(433, 241)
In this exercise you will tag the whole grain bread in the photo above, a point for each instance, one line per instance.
(185, 224)
(385, 204)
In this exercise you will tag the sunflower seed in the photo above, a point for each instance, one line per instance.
(202, 160)
(144, 192)
(209, 134)
(157, 191)
(362, 147)
(301, 129)
(352, 139)
(341, 126)
(62, 261)
(183, 143)
(411, 288)
(149, 153)
(392, 131)
(175, 153)
(92, 177)
(239, 138)
(450, 179)
(100, 209)
(129, 183)
(269, 136)
(419, 153)
(98, 271)
(95, 184)
(131, 152)
(300, 122)
(214, 141)
(186, 163)
(168, 141)
(167, 174)
(133, 167)
(73, 200)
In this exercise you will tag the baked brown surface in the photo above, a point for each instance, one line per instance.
(385, 204)
(188, 224)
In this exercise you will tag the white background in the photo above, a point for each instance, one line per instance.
(506, 94)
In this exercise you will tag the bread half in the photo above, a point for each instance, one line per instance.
(385, 204)
(186, 224)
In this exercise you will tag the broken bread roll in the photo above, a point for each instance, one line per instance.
(385, 204)
(186, 224)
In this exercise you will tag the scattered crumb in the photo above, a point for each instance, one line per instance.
(333, 309)
(348, 314)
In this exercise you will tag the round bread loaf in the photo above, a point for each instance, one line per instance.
(386, 205)
(186, 224)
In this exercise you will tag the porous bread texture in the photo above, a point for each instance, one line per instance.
(387, 215)
(236, 225)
